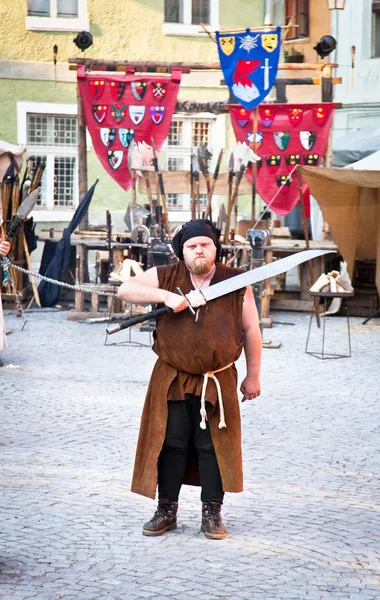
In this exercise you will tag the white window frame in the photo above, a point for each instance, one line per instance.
(186, 28)
(217, 141)
(54, 23)
(48, 213)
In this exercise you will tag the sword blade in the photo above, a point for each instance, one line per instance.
(261, 273)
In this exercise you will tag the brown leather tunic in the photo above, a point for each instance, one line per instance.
(186, 349)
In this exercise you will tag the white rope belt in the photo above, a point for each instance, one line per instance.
(206, 377)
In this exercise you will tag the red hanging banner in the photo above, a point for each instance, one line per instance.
(119, 109)
(287, 135)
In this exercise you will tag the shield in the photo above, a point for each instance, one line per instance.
(158, 90)
(267, 115)
(320, 115)
(308, 139)
(138, 89)
(283, 182)
(126, 135)
(311, 160)
(115, 158)
(136, 113)
(227, 44)
(249, 62)
(273, 162)
(242, 117)
(100, 112)
(291, 160)
(282, 139)
(118, 112)
(157, 114)
(96, 88)
(259, 138)
(117, 89)
(269, 41)
(107, 136)
(295, 116)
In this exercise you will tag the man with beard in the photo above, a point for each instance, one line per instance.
(190, 428)
(4, 249)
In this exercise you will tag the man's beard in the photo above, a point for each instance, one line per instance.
(199, 266)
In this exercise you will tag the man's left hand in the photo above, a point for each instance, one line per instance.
(250, 388)
(4, 247)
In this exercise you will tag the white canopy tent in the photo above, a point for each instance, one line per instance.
(350, 202)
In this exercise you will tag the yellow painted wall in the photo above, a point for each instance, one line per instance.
(126, 30)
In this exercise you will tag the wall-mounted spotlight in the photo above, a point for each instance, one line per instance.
(83, 40)
(325, 46)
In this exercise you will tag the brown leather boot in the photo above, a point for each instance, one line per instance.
(164, 518)
(212, 523)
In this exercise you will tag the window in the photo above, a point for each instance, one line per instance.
(298, 12)
(183, 17)
(375, 29)
(57, 15)
(51, 138)
(185, 135)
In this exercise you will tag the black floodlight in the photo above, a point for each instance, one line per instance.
(325, 46)
(83, 40)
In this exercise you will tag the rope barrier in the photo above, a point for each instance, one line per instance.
(6, 265)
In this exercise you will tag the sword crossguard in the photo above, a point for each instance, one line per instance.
(188, 302)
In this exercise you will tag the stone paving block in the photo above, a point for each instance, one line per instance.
(72, 528)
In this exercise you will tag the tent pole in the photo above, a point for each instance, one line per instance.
(307, 240)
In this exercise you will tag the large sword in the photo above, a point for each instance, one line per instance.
(232, 284)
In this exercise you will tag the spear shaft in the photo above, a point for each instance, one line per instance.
(162, 188)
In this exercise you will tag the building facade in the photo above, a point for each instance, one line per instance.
(38, 91)
(357, 30)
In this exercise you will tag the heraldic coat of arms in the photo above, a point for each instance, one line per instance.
(249, 63)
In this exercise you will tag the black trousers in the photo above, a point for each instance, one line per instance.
(182, 432)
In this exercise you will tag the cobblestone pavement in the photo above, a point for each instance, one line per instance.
(306, 527)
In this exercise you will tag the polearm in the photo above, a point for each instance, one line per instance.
(204, 156)
(192, 187)
(197, 200)
(109, 240)
(239, 177)
(132, 171)
(216, 172)
(231, 173)
(162, 187)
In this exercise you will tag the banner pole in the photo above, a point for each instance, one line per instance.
(254, 166)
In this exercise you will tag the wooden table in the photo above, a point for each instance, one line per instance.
(296, 300)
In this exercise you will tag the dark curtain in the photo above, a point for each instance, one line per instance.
(49, 292)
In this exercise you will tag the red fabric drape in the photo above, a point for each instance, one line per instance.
(287, 134)
(120, 108)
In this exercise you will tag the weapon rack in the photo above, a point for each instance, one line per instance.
(19, 291)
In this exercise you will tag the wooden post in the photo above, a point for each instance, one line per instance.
(82, 158)
(165, 67)
(79, 296)
(29, 263)
(82, 253)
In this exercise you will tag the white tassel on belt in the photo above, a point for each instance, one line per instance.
(206, 377)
